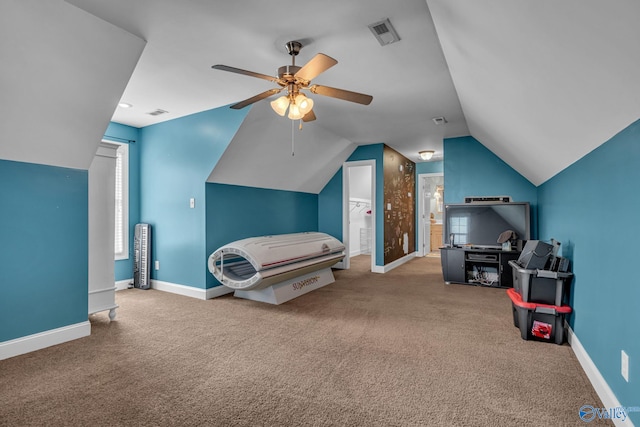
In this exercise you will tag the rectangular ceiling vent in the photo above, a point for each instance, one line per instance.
(384, 32)
(157, 112)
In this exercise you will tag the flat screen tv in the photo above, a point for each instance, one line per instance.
(479, 224)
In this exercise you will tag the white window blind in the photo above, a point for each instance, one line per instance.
(121, 242)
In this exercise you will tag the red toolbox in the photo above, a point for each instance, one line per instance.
(542, 322)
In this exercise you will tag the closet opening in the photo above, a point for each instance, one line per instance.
(359, 213)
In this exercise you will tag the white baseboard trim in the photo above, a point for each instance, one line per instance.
(609, 399)
(218, 291)
(187, 291)
(190, 291)
(44, 339)
(394, 264)
(123, 284)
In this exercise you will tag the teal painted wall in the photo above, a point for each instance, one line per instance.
(44, 271)
(591, 207)
(236, 212)
(131, 136)
(429, 167)
(330, 199)
(176, 158)
(470, 169)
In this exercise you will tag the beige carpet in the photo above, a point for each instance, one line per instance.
(399, 349)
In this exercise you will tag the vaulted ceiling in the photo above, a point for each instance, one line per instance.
(539, 82)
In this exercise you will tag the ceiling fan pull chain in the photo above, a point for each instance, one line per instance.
(292, 140)
(300, 126)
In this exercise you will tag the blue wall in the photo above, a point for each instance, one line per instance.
(470, 169)
(429, 167)
(176, 158)
(130, 135)
(592, 207)
(44, 271)
(330, 199)
(235, 212)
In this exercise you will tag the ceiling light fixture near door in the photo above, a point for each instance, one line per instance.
(426, 154)
(124, 105)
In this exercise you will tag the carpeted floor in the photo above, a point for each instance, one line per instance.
(395, 349)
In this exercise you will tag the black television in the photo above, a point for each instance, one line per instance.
(478, 225)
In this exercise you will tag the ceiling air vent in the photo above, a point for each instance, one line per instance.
(384, 32)
(157, 112)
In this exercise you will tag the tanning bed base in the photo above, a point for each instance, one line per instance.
(276, 269)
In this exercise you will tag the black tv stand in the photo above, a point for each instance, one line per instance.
(477, 266)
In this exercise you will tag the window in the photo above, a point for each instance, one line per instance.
(121, 242)
(460, 227)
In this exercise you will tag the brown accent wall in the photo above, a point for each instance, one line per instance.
(399, 205)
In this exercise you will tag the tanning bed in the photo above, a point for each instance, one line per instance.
(276, 268)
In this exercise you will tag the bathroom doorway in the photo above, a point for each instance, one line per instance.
(431, 208)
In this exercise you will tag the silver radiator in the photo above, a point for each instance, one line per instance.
(142, 256)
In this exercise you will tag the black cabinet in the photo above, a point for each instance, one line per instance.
(486, 267)
(452, 265)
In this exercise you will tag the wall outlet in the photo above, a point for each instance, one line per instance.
(157, 265)
(624, 369)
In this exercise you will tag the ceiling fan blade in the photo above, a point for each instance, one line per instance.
(318, 64)
(346, 95)
(309, 117)
(245, 72)
(256, 98)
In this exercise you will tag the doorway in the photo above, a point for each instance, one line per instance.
(431, 208)
(358, 219)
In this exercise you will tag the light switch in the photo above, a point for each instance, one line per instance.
(192, 202)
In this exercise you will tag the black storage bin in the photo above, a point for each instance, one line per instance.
(541, 322)
(540, 286)
(535, 254)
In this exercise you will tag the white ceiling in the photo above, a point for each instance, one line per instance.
(539, 82)
(542, 83)
(409, 80)
(51, 109)
(305, 163)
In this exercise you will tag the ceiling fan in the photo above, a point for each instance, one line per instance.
(295, 79)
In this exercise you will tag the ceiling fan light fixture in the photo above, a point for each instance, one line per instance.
(280, 105)
(426, 154)
(304, 104)
(294, 112)
(293, 78)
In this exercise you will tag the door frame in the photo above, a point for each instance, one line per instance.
(345, 210)
(422, 221)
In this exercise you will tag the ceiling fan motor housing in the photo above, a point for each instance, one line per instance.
(293, 47)
(286, 72)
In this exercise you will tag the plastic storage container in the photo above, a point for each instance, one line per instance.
(540, 286)
(541, 322)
